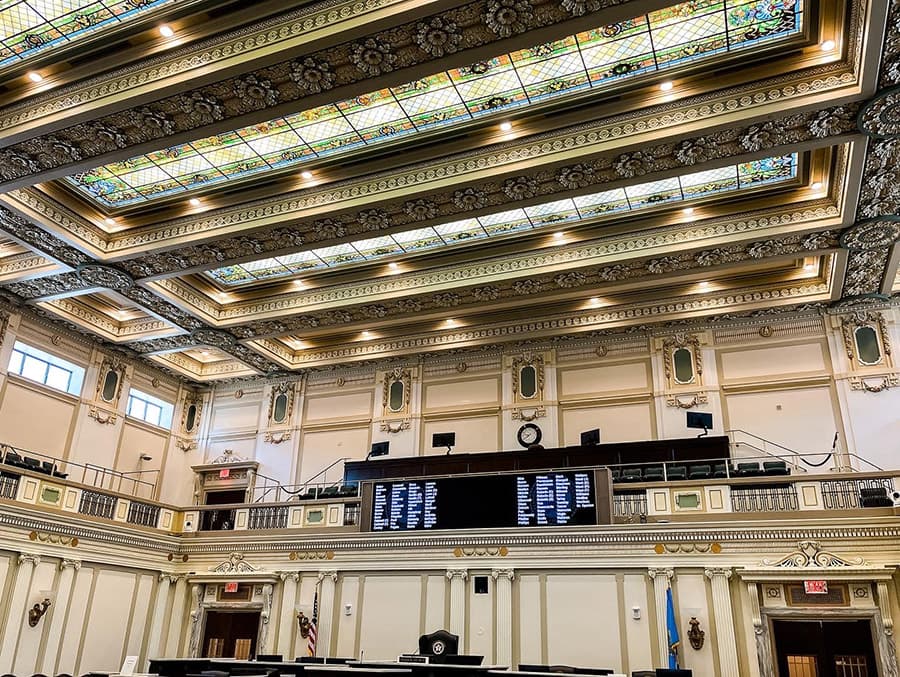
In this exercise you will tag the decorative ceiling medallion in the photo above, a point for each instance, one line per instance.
(876, 233)
(880, 116)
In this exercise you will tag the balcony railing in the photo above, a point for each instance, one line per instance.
(845, 494)
(96, 504)
(268, 517)
(630, 504)
(773, 498)
(9, 485)
(143, 514)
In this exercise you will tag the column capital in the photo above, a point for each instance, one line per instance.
(655, 573)
(163, 576)
(328, 574)
(508, 574)
(293, 575)
(718, 572)
(457, 573)
(29, 557)
(66, 563)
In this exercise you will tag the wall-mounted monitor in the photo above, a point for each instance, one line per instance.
(700, 420)
(443, 440)
(379, 449)
(590, 437)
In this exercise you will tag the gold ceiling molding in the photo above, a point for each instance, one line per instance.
(111, 330)
(28, 262)
(288, 32)
(684, 307)
(609, 251)
(201, 372)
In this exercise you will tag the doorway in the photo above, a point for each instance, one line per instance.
(824, 648)
(230, 634)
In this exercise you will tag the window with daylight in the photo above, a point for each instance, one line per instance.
(49, 370)
(150, 409)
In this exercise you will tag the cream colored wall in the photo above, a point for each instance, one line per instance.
(781, 380)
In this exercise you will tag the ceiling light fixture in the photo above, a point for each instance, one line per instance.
(816, 185)
(450, 321)
(688, 210)
(393, 266)
(704, 284)
(35, 77)
(809, 266)
(366, 333)
(109, 221)
(194, 202)
(505, 126)
(666, 86)
(204, 352)
(595, 300)
(166, 31)
(306, 176)
(827, 46)
(557, 235)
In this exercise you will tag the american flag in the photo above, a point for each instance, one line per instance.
(311, 637)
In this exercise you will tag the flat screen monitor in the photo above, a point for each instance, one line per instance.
(379, 449)
(590, 437)
(443, 440)
(485, 501)
(699, 419)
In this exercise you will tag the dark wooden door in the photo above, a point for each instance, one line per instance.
(230, 634)
(824, 648)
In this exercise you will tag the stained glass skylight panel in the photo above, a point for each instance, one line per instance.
(719, 181)
(29, 27)
(662, 40)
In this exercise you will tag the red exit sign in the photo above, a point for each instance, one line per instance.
(224, 473)
(815, 587)
(231, 586)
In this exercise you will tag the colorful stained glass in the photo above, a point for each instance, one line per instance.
(719, 181)
(29, 27)
(670, 37)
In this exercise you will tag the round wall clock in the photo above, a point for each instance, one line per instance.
(529, 434)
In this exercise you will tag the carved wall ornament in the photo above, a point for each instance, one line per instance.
(471, 551)
(676, 548)
(235, 564)
(528, 377)
(228, 456)
(766, 331)
(528, 413)
(686, 372)
(686, 401)
(462, 367)
(110, 381)
(508, 17)
(879, 116)
(97, 275)
(695, 635)
(190, 418)
(395, 391)
(103, 416)
(373, 57)
(395, 427)
(52, 539)
(809, 554)
(875, 384)
(277, 437)
(281, 402)
(296, 555)
(874, 324)
(438, 36)
(185, 444)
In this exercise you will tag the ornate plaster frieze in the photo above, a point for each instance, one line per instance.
(874, 383)
(235, 564)
(14, 266)
(583, 321)
(112, 330)
(257, 93)
(811, 554)
(327, 222)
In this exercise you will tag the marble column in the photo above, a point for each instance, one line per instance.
(661, 579)
(156, 641)
(761, 632)
(57, 616)
(176, 620)
(457, 578)
(288, 617)
(724, 619)
(18, 603)
(325, 626)
(504, 638)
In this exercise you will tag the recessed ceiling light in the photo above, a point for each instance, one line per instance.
(299, 283)
(809, 266)
(558, 235)
(688, 210)
(666, 86)
(704, 284)
(194, 202)
(827, 46)
(816, 185)
(166, 31)
(306, 175)
(393, 266)
(204, 352)
(595, 300)
(110, 221)
(35, 77)
(505, 126)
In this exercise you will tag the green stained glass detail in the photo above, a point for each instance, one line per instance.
(30, 27)
(671, 37)
(724, 180)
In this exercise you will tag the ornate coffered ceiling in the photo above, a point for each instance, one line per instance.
(745, 162)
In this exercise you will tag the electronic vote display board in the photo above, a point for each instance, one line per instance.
(483, 501)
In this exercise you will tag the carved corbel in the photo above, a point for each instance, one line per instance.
(687, 401)
(102, 415)
(394, 427)
(277, 437)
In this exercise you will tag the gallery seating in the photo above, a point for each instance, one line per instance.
(699, 471)
(875, 497)
(16, 460)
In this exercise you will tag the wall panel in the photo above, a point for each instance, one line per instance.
(603, 379)
(390, 616)
(478, 433)
(578, 638)
(323, 447)
(454, 394)
(617, 422)
(36, 421)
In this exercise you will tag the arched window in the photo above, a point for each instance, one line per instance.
(279, 411)
(190, 418)
(396, 392)
(110, 386)
(528, 381)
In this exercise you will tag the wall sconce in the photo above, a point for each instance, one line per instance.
(695, 635)
(36, 613)
(303, 622)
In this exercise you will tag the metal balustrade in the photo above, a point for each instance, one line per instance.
(268, 517)
(773, 498)
(96, 504)
(630, 504)
(844, 494)
(143, 514)
(9, 486)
